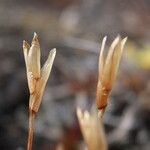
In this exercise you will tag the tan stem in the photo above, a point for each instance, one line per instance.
(30, 130)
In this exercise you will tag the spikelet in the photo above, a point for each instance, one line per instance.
(37, 77)
(92, 129)
(107, 70)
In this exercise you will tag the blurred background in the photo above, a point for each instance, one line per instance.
(76, 29)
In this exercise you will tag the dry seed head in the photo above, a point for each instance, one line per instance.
(92, 130)
(108, 69)
(37, 77)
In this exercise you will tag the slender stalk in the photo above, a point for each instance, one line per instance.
(30, 130)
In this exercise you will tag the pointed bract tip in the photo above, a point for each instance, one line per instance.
(115, 42)
(118, 38)
(103, 43)
(26, 45)
(123, 42)
(53, 50)
(35, 35)
(35, 39)
(25, 42)
(105, 37)
(124, 39)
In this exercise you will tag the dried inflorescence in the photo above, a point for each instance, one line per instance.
(37, 79)
(37, 76)
(107, 70)
(92, 129)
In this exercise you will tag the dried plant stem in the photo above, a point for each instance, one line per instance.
(31, 127)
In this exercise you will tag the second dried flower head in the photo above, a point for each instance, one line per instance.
(37, 76)
(108, 67)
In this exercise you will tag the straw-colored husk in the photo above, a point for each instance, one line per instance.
(107, 70)
(37, 79)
